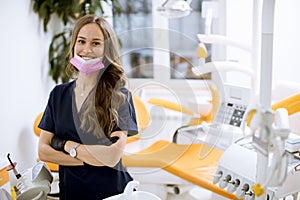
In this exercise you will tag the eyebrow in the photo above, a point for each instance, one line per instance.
(81, 37)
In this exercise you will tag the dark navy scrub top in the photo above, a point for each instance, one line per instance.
(85, 182)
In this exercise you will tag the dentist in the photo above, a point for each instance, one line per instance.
(87, 120)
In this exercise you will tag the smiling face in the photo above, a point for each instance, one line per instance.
(94, 37)
(89, 43)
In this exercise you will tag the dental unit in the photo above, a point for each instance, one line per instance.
(33, 183)
(260, 168)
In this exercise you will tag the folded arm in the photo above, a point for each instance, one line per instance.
(101, 155)
(97, 155)
(48, 154)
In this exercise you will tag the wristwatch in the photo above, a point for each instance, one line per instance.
(73, 152)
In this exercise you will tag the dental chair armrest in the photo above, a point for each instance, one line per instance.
(175, 135)
(189, 128)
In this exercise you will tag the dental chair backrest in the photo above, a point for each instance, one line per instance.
(53, 167)
(142, 117)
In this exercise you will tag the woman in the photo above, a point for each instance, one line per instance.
(87, 120)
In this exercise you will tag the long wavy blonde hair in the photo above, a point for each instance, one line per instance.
(100, 112)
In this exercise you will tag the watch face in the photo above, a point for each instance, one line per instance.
(73, 152)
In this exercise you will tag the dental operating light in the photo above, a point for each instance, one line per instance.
(175, 8)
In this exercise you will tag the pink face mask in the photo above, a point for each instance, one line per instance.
(87, 66)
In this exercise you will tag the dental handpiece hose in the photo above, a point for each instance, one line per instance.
(13, 167)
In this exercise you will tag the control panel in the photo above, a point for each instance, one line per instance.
(233, 106)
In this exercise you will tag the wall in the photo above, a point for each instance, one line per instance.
(24, 82)
(286, 54)
(286, 45)
(287, 41)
